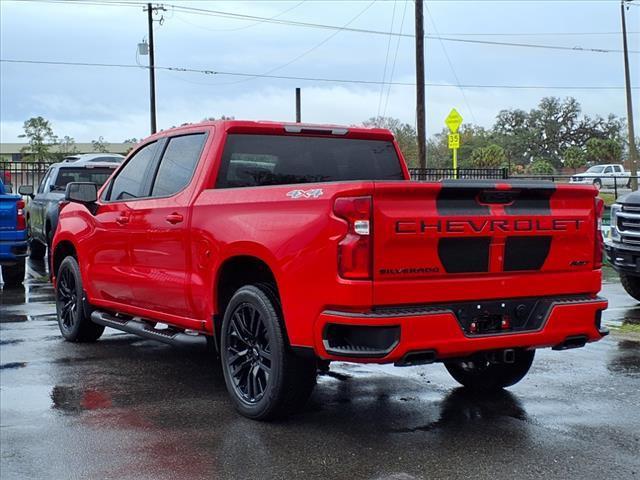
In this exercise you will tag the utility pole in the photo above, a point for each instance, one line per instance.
(298, 106)
(420, 102)
(633, 153)
(152, 63)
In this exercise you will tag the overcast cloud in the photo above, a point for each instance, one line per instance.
(87, 102)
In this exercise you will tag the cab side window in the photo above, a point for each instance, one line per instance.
(178, 164)
(44, 181)
(132, 179)
(608, 170)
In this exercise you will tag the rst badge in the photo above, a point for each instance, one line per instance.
(313, 193)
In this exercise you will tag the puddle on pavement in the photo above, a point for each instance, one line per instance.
(19, 317)
(26, 398)
(461, 407)
(626, 359)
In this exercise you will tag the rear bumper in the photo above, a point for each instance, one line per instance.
(11, 252)
(436, 330)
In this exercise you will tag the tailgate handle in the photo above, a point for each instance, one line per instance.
(501, 197)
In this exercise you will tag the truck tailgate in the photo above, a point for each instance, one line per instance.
(8, 216)
(466, 240)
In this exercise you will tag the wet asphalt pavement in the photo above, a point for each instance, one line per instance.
(127, 408)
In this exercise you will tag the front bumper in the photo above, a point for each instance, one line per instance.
(623, 258)
(438, 331)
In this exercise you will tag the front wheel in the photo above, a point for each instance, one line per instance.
(13, 275)
(483, 374)
(264, 378)
(631, 284)
(73, 318)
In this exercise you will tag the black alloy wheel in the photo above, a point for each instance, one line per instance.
(73, 311)
(67, 299)
(264, 378)
(248, 356)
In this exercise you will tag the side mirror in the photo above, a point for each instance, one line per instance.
(26, 190)
(81, 192)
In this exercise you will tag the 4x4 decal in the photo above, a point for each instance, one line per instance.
(313, 193)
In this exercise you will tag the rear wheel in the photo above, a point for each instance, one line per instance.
(73, 318)
(483, 374)
(631, 284)
(264, 378)
(13, 275)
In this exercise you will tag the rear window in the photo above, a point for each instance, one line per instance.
(93, 175)
(254, 160)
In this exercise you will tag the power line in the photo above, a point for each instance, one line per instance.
(295, 23)
(386, 59)
(318, 45)
(453, 70)
(311, 79)
(395, 57)
(219, 13)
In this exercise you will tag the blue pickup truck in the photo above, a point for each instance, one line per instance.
(13, 237)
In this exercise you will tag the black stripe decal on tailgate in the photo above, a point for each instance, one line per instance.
(464, 255)
(526, 253)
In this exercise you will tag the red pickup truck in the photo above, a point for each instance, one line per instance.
(288, 246)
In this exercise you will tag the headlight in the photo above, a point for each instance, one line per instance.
(615, 208)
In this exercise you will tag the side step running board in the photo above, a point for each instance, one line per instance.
(173, 337)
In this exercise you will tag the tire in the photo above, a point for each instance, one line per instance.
(479, 374)
(254, 346)
(631, 284)
(37, 250)
(73, 315)
(597, 183)
(13, 275)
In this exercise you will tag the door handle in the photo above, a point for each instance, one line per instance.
(122, 220)
(174, 218)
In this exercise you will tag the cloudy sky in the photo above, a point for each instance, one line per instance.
(87, 102)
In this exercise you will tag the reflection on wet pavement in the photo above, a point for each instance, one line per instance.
(128, 408)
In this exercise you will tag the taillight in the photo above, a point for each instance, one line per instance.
(355, 249)
(21, 221)
(599, 243)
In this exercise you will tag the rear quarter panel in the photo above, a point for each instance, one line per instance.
(296, 238)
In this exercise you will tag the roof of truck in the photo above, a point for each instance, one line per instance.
(275, 128)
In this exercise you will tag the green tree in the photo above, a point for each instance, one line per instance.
(40, 136)
(547, 131)
(574, 157)
(405, 136)
(492, 156)
(541, 166)
(607, 150)
(471, 138)
(133, 140)
(99, 145)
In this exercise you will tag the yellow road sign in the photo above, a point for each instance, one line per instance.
(454, 140)
(453, 121)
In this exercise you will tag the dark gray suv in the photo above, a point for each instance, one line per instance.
(42, 213)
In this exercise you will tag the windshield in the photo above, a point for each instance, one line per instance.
(253, 160)
(93, 175)
(596, 169)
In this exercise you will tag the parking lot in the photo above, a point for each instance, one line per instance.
(131, 408)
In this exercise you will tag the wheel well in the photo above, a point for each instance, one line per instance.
(235, 273)
(63, 250)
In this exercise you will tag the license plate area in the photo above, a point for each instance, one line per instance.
(502, 316)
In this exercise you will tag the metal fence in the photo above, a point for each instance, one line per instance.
(617, 185)
(437, 174)
(16, 174)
